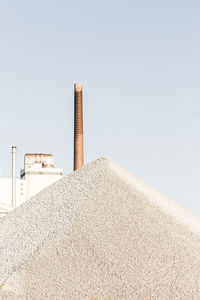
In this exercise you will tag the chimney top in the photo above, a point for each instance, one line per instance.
(78, 87)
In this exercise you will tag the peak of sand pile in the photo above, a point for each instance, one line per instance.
(100, 232)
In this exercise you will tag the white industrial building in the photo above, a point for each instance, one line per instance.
(38, 173)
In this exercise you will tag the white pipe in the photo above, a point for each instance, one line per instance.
(14, 150)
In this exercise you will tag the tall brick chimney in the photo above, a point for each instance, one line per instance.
(78, 126)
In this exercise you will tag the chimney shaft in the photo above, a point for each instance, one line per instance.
(78, 126)
(14, 150)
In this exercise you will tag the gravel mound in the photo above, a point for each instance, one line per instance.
(100, 232)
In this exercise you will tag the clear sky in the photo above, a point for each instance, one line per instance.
(139, 62)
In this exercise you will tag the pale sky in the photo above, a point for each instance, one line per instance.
(139, 62)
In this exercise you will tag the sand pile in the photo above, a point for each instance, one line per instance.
(100, 232)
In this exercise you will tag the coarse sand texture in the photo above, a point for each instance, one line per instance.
(100, 232)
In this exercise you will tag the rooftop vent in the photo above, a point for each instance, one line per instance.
(46, 160)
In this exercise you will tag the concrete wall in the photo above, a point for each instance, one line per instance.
(34, 178)
(6, 194)
(35, 181)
